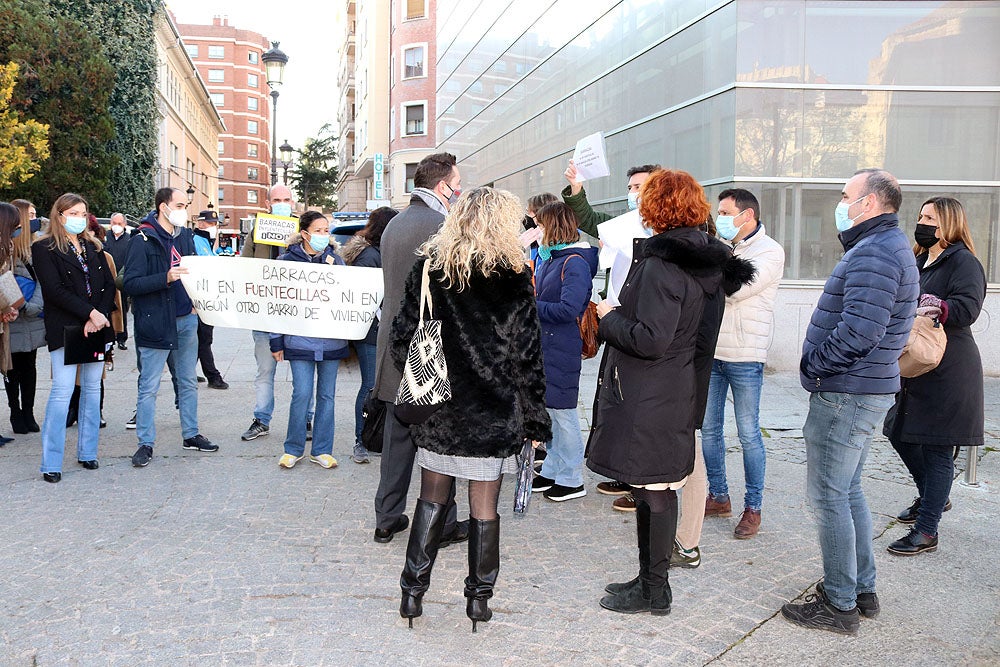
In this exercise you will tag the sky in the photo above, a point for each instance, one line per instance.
(310, 33)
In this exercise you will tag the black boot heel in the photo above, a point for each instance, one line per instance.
(421, 551)
(484, 565)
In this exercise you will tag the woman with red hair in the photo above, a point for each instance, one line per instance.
(645, 413)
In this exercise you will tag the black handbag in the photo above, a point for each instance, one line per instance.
(373, 412)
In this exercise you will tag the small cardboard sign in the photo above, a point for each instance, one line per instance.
(274, 229)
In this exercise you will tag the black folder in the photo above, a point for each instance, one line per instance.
(80, 349)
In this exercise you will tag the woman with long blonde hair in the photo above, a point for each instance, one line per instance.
(482, 294)
(79, 291)
(943, 408)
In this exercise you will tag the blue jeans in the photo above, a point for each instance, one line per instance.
(366, 359)
(564, 453)
(183, 373)
(263, 382)
(303, 372)
(838, 433)
(746, 379)
(89, 419)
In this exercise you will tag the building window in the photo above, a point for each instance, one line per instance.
(251, 150)
(251, 127)
(413, 62)
(190, 170)
(252, 57)
(411, 170)
(217, 52)
(222, 171)
(174, 154)
(252, 80)
(216, 75)
(222, 148)
(222, 195)
(416, 9)
(414, 119)
(252, 173)
(192, 50)
(218, 99)
(251, 103)
(251, 196)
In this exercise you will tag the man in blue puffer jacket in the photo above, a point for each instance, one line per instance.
(850, 365)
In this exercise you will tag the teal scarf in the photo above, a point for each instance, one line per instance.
(545, 251)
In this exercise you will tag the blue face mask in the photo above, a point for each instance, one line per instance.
(726, 227)
(282, 209)
(75, 225)
(36, 225)
(319, 242)
(633, 201)
(840, 215)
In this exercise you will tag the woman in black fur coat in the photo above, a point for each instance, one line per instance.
(647, 399)
(482, 294)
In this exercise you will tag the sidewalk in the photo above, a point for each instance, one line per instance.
(225, 559)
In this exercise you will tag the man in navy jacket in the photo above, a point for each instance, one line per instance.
(850, 367)
(164, 320)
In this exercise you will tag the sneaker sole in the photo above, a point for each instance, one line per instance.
(813, 626)
(195, 448)
(289, 467)
(612, 493)
(622, 509)
(359, 461)
(129, 427)
(568, 496)
(540, 489)
(928, 550)
(686, 566)
(139, 465)
(244, 438)
(320, 464)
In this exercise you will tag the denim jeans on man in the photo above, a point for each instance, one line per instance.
(303, 373)
(151, 370)
(54, 425)
(366, 359)
(564, 453)
(838, 433)
(746, 379)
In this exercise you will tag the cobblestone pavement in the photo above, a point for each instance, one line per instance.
(225, 559)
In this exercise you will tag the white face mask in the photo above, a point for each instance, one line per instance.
(212, 232)
(117, 229)
(178, 217)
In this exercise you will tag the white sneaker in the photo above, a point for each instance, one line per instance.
(289, 461)
(324, 460)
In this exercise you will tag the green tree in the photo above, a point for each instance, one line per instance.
(125, 29)
(64, 82)
(314, 176)
(23, 144)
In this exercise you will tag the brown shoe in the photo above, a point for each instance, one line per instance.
(714, 508)
(749, 524)
(624, 504)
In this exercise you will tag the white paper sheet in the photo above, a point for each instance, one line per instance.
(590, 158)
(616, 236)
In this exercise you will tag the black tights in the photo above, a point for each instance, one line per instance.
(658, 501)
(483, 496)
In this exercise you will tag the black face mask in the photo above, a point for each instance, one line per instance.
(924, 236)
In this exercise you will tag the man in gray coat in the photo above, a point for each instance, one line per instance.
(437, 185)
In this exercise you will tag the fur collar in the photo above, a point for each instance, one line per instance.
(701, 256)
(353, 248)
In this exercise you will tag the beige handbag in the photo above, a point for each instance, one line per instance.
(924, 348)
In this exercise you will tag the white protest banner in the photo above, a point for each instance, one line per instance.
(295, 298)
(590, 158)
(616, 237)
(274, 229)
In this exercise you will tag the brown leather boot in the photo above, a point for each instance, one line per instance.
(749, 524)
(715, 508)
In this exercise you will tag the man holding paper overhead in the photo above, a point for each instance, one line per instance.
(576, 197)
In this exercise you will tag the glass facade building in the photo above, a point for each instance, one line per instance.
(784, 98)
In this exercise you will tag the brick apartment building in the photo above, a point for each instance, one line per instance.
(229, 61)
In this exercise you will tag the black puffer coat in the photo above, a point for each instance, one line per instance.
(945, 405)
(646, 408)
(492, 345)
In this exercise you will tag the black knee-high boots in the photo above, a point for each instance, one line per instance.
(484, 566)
(421, 551)
(650, 591)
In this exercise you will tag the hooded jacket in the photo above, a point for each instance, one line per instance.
(647, 399)
(563, 285)
(156, 304)
(309, 348)
(359, 252)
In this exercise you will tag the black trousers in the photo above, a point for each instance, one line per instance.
(205, 336)
(21, 381)
(398, 452)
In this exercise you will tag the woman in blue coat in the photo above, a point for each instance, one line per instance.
(563, 284)
(310, 357)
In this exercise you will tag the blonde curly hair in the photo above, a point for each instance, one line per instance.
(479, 235)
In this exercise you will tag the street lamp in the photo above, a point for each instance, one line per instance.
(190, 193)
(274, 65)
(286, 151)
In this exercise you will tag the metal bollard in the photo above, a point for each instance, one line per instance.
(971, 461)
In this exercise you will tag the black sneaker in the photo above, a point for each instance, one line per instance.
(559, 493)
(218, 383)
(200, 443)
(541, 484)
(909, 515)
(142, 456)
(817, 614)
(257, 429)
(867, 602)
(130, 424)
(681, 557)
